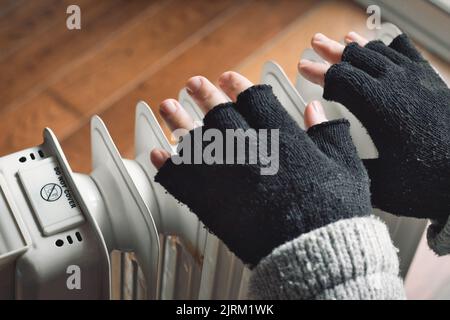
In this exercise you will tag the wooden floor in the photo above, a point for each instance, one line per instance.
(140, 49)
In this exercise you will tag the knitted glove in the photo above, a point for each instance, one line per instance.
(405, 106)
(320, 178)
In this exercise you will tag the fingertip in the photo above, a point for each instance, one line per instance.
(168, 107)
(304, 65)
(314, 114)
(353, 36)
(194, 84)
(327, 48)
(319, 38)
(204, 93)
(233, 83)
(304, 62)
(318, 108)
(225, 77)
(349, 37)
(159, 157)
(313, 71)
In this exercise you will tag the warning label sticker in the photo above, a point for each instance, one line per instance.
(52, 200)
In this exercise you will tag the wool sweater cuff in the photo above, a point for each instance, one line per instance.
(438, 237)
(348, 259)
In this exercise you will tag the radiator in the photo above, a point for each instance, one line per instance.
(115, 233)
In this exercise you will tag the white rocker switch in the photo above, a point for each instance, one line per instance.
(50, 197)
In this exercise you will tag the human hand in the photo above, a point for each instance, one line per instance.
(405, 106)
(320, 178)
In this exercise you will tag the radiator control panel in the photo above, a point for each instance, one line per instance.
(50, 197)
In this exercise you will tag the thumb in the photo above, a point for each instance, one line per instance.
(331, 137)
(314, 114)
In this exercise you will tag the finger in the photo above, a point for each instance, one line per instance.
(345, 84)
(159, 157)
(313, 71)
(333, 138)
(327, 48)
(314, 114)
(371, 62)
(404, 45)
(352, 36)
(204, 93)
(225, 116)
(262, 109)
(175, 115)
(232, 83)
(380, 47)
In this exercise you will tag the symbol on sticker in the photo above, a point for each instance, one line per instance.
(51, 192)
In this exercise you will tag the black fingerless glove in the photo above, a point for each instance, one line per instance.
(320, 178)
(405, 106)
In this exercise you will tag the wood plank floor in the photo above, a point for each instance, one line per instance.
(132, 50)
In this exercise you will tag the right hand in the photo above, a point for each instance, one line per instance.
(405, 106)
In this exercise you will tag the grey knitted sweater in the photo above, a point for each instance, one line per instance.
(348, 259)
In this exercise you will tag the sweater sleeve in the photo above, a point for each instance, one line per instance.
(348, 259)
(438, 237)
